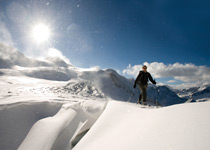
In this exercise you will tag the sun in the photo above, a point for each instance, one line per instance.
(41, 33)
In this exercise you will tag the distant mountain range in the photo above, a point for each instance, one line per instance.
(195, 94)
(93, 82)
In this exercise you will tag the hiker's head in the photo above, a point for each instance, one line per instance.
(144, 68)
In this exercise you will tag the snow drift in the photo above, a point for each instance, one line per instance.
(44, 125)
(18, 118)
(125, 126)
(44, 133)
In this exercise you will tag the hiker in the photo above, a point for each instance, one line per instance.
(142, 81)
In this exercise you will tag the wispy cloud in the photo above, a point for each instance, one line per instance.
(186, 73)
(43, 53)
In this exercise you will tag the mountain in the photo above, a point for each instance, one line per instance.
(202, 94)
(164, 96)
(106, 83)
(196, 93)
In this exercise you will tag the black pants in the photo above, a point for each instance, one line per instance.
(143, 95)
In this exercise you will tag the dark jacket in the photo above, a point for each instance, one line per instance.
(142, 78)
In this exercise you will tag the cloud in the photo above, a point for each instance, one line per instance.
(187, 73)
(43, 53)
(171, 81)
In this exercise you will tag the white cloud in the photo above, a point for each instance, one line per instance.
(46, 53)
(132, 71)
(187, 73)
(171, 81)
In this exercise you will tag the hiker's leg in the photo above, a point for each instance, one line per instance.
(141, 87)
(140, 96)
(139, 100)
(144, 94)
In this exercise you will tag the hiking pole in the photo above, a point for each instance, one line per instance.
(131, 95)
(155, 96)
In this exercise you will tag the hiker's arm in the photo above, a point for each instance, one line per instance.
(138, 77)
(151, 79)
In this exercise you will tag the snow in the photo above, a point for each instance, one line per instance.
(28, 108)
(52, 105)
(37, 122)
(105, 83)
(124, 126)
(18, 117)
(45, 132)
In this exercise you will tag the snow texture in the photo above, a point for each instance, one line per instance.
(124, 126)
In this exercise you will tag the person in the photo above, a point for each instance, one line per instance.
(142, 81)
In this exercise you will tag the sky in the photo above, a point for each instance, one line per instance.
(166, 35)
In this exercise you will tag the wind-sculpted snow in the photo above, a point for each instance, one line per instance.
(124, 126)
(45, 132)
(41, 127)
(16, 119)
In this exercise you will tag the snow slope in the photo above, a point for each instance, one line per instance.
(124, 126)
(51, 105)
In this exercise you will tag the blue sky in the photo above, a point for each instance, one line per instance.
(114, 33)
